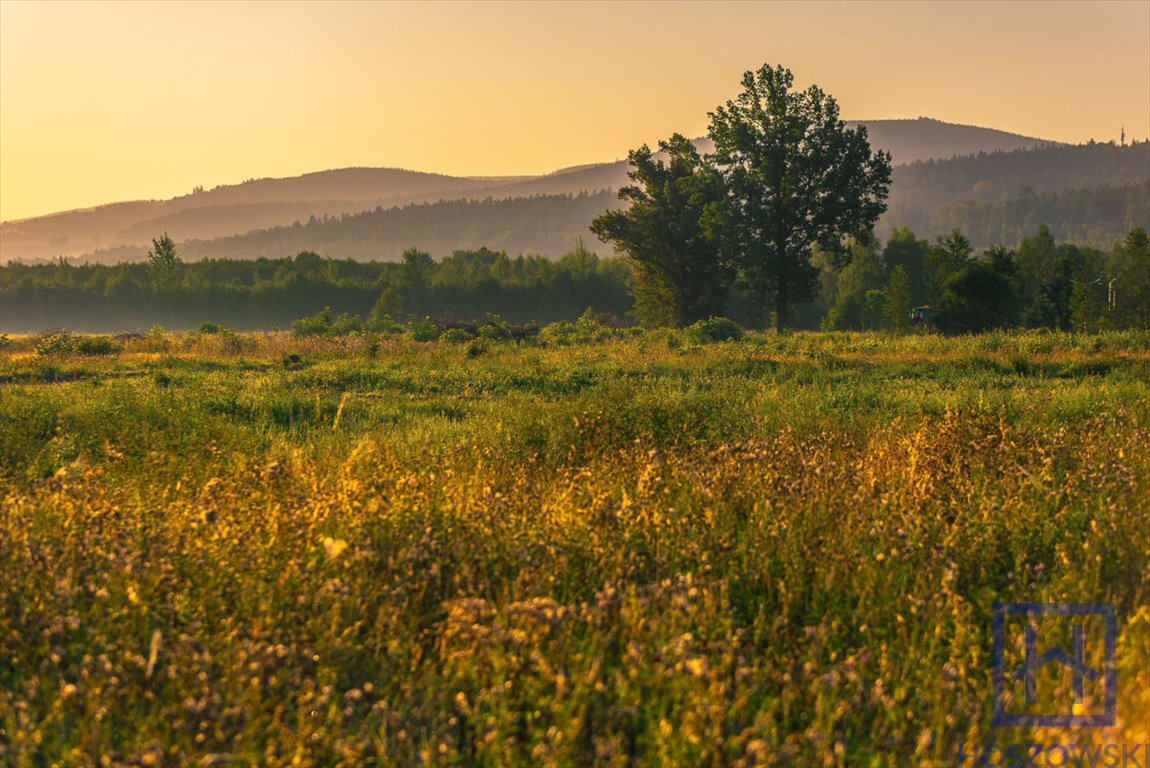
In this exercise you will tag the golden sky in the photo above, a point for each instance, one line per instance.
(107, 101)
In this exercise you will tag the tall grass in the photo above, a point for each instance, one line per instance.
(638, 551)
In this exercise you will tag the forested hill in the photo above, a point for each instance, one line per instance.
(910, 141)
(235, 208)
(998, 176)
(263, 203)
(1091, 194)
(1086, 194)
(541, 224)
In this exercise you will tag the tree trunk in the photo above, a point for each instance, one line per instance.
(783, 295)
(782, 306)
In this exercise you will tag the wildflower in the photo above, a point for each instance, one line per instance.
(697, 666)
(333, 547)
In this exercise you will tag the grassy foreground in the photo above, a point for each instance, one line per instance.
(627, 551)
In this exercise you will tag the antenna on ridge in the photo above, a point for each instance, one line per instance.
(1123, 142)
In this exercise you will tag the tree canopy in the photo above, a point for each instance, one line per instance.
(679, 276)
(786, 174)
(163, 263)
(795, 175)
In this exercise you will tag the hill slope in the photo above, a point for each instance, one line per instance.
(541, 224)
(1091, 195)
(264, 203)
(911, 141)
(1099, 190)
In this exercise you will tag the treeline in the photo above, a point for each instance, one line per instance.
(1041, 283)
(271, 293)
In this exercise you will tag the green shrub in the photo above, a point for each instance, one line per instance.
(591, 327)
(384, 324)
(346, 325)
(371, 348)
(491, 333)
(56, 343)
(562, 333)
(495, 328)
(321, 324)
(318, 324)
(423, 330)
(714, 329)
(209, 329)
(456, 335)
(96, 345)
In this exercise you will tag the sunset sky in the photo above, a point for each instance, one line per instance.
(102, 102)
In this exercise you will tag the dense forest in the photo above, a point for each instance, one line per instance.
(369, 214)
(998, 176)
(542, 224)
(1039, 282)
(1089, 215)
(1090, 194)
(100, 233)
(271, 293)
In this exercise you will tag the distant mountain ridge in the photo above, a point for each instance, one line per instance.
(913, 140)
(257, 204)
(1090, 195)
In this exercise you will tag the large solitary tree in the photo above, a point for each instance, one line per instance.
(679, 276)
(794, 175)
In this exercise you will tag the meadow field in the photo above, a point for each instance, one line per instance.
(597, 547)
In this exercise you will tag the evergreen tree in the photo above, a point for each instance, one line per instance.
(1036, 259)
(1087, 312)
(163, 263)
(909, 252)
(976, 298)
(898, 300)
(948, 256)
(1131, 286)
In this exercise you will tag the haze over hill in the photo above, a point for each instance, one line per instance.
(1091, 195)
(123, 230)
